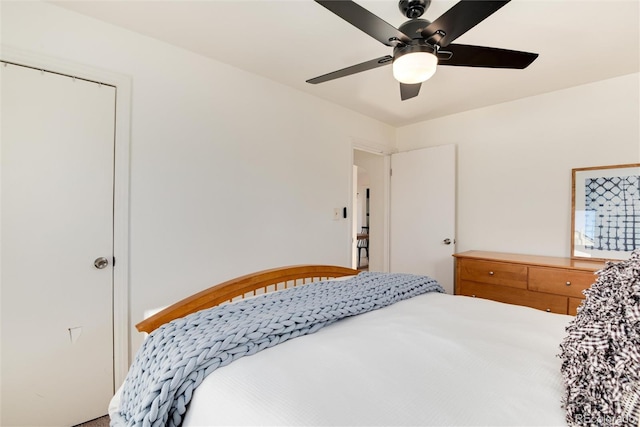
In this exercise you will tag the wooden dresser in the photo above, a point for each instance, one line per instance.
(547, 283)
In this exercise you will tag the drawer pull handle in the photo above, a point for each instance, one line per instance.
(491, 273)
(548, 310)
(568, 283)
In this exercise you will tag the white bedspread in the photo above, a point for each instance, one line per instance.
(432, 360)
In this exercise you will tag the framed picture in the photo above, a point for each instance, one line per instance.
(605, 212)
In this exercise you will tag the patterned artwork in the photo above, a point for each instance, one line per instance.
(612, 220)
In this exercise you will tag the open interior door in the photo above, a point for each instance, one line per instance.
(422, 227)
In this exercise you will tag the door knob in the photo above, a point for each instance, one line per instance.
(447, 241)
(101, 263)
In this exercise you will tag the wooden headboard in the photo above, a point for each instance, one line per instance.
(261, 282)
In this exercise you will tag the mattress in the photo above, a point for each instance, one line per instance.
(435, 359)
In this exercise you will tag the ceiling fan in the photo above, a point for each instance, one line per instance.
(418, 45)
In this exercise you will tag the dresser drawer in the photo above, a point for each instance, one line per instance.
(560, 281)
(546, 283)
(574, 303)
(496, 273)
(546, 302)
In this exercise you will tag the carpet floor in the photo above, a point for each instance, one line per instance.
(98, 422)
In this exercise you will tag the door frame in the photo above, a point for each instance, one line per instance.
(385, 152)
(121, 178)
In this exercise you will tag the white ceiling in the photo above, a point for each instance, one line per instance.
(290, 41)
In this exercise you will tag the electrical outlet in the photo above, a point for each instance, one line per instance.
(337, 213)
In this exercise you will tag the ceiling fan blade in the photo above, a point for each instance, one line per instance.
(366, 21)
(369, 65)
(463, 55)
(459, 19)
(409, 90)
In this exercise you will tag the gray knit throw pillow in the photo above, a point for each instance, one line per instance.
(601, 354)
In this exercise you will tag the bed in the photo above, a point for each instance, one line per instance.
(427, 359)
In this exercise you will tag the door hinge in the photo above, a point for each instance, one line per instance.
(114, 262)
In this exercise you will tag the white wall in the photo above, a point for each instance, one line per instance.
(515, 161)
(221, 178)
(222, 184)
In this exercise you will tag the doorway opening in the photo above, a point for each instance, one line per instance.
(362, 215)
(370, 191)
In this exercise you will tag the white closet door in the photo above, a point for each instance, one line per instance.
(423, 200)
(57, 151)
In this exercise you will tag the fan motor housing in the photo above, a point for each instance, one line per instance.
(415, 46)
(413, 28)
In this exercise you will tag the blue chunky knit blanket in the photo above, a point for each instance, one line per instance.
(176, 357)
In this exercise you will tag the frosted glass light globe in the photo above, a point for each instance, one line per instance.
(414, 67)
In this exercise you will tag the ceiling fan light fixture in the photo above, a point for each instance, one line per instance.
(414, 67)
